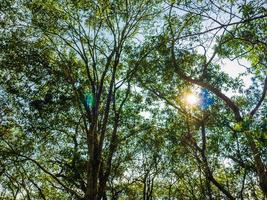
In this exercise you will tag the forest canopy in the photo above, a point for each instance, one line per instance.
(133, 99)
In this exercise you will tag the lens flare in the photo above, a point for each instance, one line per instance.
(192, 99)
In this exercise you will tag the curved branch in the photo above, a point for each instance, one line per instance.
(221, 26)
(50, 174)
(215, 91)
(261, 99)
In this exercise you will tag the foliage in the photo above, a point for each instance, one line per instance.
(93, 100)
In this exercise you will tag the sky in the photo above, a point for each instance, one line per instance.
(234, 69)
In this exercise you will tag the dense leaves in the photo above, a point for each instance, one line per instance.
(94, 99)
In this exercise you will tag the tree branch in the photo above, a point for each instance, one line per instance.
(261, 99)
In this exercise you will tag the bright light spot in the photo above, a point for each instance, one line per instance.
(226, 162)
(192, 99)
(145, 114)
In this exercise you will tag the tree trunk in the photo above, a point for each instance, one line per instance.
(92, 192)
(207, 171)
(93, 164)
(259, 165)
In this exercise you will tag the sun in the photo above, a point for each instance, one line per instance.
(192, 99)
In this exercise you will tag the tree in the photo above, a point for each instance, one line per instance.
(93, 100)
(249, 14)
(79, 50)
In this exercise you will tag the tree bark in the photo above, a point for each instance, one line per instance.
(259, 165)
